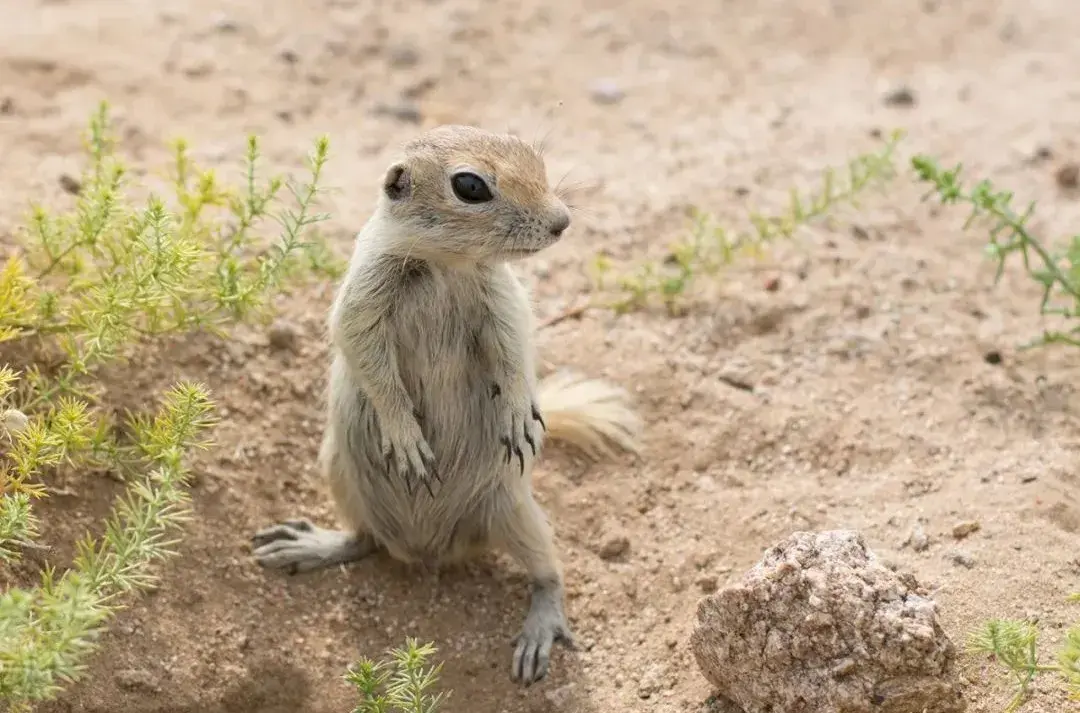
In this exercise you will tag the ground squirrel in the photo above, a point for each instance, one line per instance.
(435, 413)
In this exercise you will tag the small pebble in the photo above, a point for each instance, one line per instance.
(606, 91)
(14, 421)
(1008, 31)
(419, 88)
(736, 374)
(900, 96)
(652, 681)
(918, 539)
(136, 679)
(707, 583)
(963, 529)
(992, 357)
(402, 111)
(196, 67)
(224, 24)
(1068, 176)
(561, 697)
(283, 336)
(404, 57)
(70, 184)
(614, 548)
(961, 559)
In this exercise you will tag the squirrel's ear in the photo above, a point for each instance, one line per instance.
(397, 184)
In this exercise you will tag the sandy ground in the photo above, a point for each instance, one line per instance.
(873, 406)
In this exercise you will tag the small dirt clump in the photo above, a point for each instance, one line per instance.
(820, 625)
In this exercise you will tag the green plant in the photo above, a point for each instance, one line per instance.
(97, 281)
(399, 683)
(1014, 645)
(711, 247)
(47, 631)
(1058, 273)
(109, 273)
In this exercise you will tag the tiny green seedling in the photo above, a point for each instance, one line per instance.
(711, 247)
(400, 683)
(1013, 644)
(1058, 274)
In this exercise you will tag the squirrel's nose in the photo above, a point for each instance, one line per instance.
(559, 224)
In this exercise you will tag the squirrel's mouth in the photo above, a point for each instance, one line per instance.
(522, 252)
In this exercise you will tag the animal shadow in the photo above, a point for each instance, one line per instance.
(271, 687)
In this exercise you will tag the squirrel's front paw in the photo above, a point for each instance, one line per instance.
(408, 454)
(520, 418)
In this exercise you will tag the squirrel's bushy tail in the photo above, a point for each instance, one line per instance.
(591, 414)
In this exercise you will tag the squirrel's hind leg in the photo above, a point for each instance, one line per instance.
(524, 532)
(300, 546)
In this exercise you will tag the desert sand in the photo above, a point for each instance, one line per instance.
(872, 401)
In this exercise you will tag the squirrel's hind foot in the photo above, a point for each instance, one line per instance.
(299, 546)
(544, 626)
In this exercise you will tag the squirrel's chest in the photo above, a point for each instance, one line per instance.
(438, 325)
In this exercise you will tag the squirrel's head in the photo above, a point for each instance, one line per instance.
(462, 193)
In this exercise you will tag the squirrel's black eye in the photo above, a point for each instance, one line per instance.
(470, 188)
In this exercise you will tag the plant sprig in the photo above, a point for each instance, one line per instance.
(98, 280)
(108, 274)
(400, 683)
(47, 632)
(1014, 645)
(1058, 274)
(711, 247)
